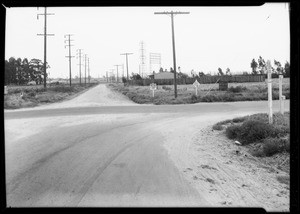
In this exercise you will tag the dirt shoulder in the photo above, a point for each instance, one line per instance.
(225, 177)
(19, 97)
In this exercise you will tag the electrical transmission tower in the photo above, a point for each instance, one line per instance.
(142, 59)
(126, 61)
(45, 14)
(117, 73)
(173, 42)
(69, 45)
(79, 54)
(154, 58)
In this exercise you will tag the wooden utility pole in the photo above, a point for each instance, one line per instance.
(79, 55)
(118, 73)
(281, 97)
(269, 70)
(69, 45)
(89, 70)
(45, 14)
(127, 61)
(85, 69)
(173, 42)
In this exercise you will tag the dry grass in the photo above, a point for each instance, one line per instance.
(36, 95)
(206, 93)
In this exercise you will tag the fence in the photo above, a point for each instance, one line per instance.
(201, 80)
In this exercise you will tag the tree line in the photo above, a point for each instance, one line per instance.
(20, 72)
(259, 67)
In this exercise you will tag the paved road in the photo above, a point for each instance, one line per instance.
(102, 154)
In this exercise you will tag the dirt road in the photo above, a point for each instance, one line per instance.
(100, 149)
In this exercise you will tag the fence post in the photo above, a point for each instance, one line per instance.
(270, 92)
(281, 100)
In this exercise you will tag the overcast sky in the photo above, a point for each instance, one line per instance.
(206, 39)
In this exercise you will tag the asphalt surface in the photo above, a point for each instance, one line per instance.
(103, 155)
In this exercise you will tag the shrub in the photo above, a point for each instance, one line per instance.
(232, 132)
(239, 119)
(194, 98)
(272, 146)
(217, 127)
(254, 130)
(237, 89)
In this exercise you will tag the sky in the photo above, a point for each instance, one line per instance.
(205, 39)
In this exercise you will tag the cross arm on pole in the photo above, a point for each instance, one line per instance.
(45, 34)
(165, 13)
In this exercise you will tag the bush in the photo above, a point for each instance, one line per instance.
(217, 127)
(232, 132)
(254, 130)
(239, 119)
(273, 146)
(194, 98)
(237, 89)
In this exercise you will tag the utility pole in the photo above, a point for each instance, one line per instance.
(126, 61)
(118, 73)
(69, 45)
(89, 70)
(79, 55)
(173, 42)
(85, 69)
(45, 14)
(111, 74)
(270, 106)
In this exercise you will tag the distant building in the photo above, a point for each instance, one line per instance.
(164, 75)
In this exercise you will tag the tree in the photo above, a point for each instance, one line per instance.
(201, 74)
(287, 69)
(279, 68)
(220, 72)
(261, 65)
(253, 65)
(161, 70)
(136, 77)
(171, 70)
(228, 71)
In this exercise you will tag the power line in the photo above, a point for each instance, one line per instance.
(69, 45)
(45, 14)
(126, 61)
(79, 55)
(173, 42)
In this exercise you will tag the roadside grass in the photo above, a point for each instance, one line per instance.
(261, 138)
(206, 93)
(274, 138)
(36, 95)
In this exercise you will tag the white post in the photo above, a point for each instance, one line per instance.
(281, 101)
(196, 91)
(270, 92)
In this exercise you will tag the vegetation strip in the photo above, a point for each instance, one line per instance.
(263, 140)
(207, 93)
